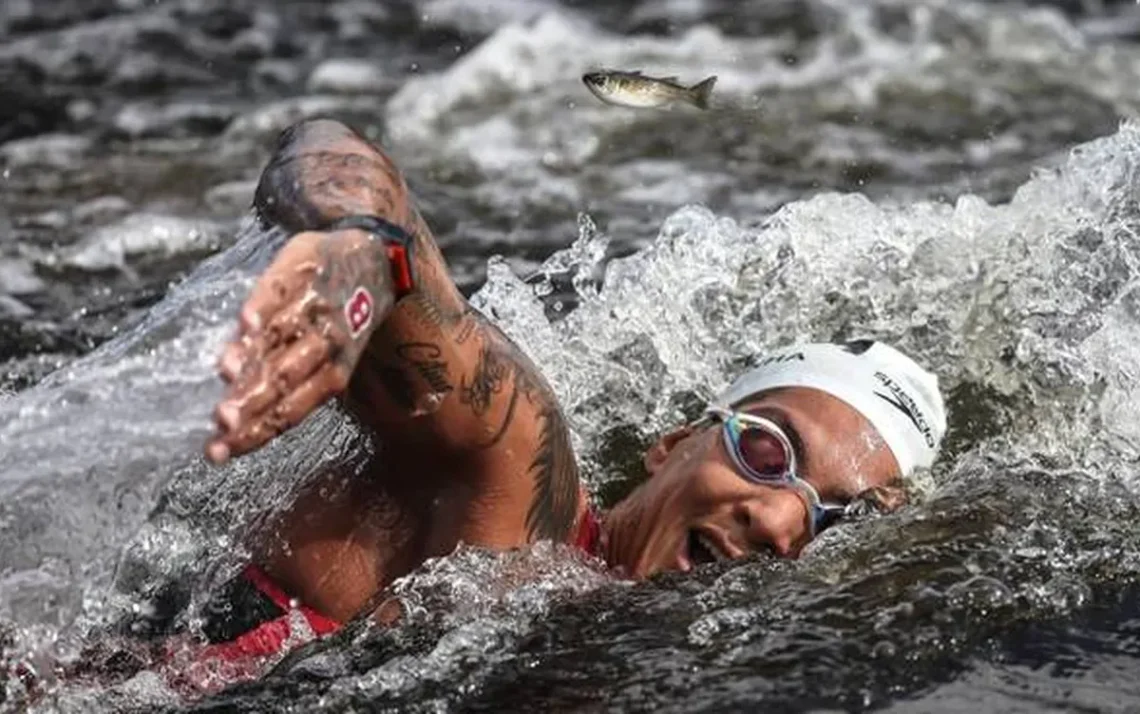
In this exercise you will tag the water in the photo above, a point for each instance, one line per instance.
(957, 178)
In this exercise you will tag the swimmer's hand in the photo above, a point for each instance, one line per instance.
(301, 333)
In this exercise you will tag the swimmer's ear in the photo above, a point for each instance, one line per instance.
(882, 499)
(657, 454)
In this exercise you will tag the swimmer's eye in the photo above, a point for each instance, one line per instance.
(764, 453)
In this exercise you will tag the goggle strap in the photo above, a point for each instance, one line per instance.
(811, 496)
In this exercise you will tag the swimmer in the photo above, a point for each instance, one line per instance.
(358, 307)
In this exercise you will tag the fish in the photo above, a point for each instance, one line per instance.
(634, 89)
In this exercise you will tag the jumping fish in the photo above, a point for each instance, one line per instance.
(634, 89)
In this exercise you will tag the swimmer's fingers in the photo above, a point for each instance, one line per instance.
(300, 339)
(304, 315)
(344, 272)
(284, 373)
(302, 332)
(282, 415)
(287, 278)
(287, 282)
(299, 374)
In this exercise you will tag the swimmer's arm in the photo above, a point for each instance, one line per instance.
(432, 368)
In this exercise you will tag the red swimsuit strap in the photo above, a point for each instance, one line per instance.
(589, 533)
(269, 637)
(320, 624)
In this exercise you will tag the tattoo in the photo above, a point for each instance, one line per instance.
(301, 189)
(426, 309)
(555, 505)
(430, 313)
(525, 381)
(500, 360)
(466, 329)
(425, 357)
(398, 387)
(305, 187)
(507, 419)
(358, 311)
(490, 374)
(348, 279)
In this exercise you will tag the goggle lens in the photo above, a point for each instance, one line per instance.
(763, 452)
(765, 455)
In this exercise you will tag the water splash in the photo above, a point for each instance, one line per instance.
(1027, 310)
(109, 517)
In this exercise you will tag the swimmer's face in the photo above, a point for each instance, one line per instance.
(696, 500)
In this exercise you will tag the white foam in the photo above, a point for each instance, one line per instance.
(958, 285)
(528, 73)
(138, 235)
(57, 150)
(347, 76)
(513, 111)
(1031, 299)
(481, 18)
(18, 278)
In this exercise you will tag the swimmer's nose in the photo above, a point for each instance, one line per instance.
(774, 524)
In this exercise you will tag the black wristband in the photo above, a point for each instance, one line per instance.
(398, 242)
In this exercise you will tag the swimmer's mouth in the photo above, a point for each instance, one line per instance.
(703, 550)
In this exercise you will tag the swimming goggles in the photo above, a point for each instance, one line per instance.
(763, 453)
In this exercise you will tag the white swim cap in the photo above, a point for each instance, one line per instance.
(897, 396)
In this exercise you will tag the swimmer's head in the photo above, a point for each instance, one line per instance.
(779, 456)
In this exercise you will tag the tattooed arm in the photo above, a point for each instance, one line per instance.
(426, 371)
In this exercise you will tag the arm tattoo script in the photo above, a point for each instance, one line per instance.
(491, 373)
(427, 360)
(554, 468)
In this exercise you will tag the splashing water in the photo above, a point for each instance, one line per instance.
(1027, 311)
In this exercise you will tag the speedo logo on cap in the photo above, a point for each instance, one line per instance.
(899, 399)
(776, 359)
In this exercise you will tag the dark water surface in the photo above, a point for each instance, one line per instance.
(957, 177)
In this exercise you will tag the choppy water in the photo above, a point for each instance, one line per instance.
(900, 170)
